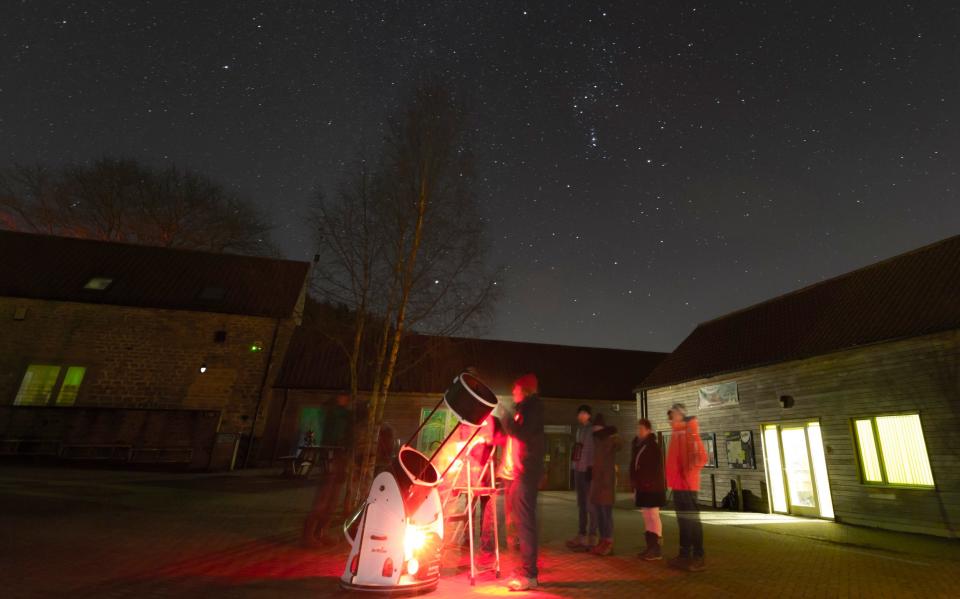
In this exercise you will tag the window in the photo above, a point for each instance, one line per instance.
(40, 385)
(892, 451)
(37, 385)
(98, 283)
(70, 386)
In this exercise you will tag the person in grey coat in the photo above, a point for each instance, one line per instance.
(582, 458)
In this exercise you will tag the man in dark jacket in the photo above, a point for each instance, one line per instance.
(582, 459)
(526, 428)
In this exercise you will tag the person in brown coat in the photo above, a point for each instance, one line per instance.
(606, 444)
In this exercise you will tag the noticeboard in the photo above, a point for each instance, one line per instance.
(739, 446)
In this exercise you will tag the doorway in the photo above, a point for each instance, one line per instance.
(797, 469)
(557, 462)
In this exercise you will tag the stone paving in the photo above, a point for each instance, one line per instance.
(90, 533)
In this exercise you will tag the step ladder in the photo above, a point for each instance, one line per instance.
(459, 507)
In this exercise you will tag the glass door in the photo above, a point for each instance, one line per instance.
(797, 469)
(799, 474)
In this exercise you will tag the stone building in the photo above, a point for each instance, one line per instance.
(133, 354)
(839, 400)
(315, 372)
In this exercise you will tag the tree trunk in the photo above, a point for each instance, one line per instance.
(375, 415)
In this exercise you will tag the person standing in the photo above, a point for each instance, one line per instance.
(338, 434)
(606, 444)
(582, 458)
(646, 477)
(525, 429)
(685, 458)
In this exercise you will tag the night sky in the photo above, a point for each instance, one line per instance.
(643, 166)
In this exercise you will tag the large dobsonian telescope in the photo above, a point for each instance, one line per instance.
(396, 535)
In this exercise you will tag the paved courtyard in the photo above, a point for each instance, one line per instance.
(93, 533)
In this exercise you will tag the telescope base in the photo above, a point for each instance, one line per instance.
(416, 588)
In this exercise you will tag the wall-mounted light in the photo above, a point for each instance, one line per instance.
(787, 401)
(256, 347)
(203, 368)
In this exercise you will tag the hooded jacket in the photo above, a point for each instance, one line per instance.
(606, 444)
(686, 456)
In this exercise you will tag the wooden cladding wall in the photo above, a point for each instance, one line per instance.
(918, 375)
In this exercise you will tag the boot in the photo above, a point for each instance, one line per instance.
(577, 542)
(604, 547)
(653, 551)
(696, 564)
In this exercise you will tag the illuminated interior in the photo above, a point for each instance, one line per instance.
(771, 444)
(71, 385)
(820, 469)
(893, 451)
(796, 463)
(797, 469)
(869, 457)
(37, 385)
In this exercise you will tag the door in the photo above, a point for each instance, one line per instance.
(557, 462)
(797, 470)
(801, 492)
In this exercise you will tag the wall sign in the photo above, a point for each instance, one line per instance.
(721, 394)
(739, 445)
(710, 444)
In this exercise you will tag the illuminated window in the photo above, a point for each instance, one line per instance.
(98, 283)
(37, 385)
(892, 451)
(42, 383)
(70, 386)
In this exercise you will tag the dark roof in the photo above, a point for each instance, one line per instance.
(429, 364)
(912, 294)
(58, 268)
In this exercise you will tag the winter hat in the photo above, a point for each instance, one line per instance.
(678, 407)
(584, 408)
(528, 383)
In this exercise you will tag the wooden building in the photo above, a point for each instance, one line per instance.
(126, 354)
(839, 400)
(315, 372)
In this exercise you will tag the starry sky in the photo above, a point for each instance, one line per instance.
(642, 165)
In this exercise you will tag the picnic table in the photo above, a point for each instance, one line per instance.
(307, 458)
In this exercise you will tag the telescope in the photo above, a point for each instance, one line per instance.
(396, 534)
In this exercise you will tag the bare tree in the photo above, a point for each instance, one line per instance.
(123, 200)
(402, 246)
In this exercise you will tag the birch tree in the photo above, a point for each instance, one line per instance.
(402, 246)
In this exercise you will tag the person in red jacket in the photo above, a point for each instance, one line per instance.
(685, 458)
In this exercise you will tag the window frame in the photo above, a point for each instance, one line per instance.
(56, 389)
(885, 482)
